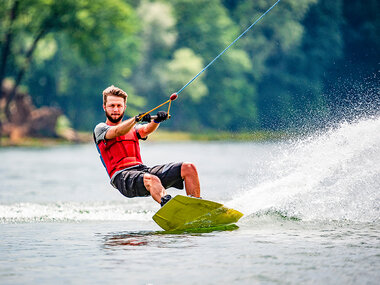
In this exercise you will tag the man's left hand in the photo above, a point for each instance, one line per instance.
(146, 118)
(161, 116)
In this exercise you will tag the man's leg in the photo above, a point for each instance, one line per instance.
(153, 184)
(190, 175)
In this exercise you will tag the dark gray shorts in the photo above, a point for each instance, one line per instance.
(130, 182)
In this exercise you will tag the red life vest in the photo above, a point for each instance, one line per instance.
(121, 152)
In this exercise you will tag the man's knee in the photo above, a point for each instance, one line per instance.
(188, 169)
(151, 180)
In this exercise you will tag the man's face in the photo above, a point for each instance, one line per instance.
(114, 109)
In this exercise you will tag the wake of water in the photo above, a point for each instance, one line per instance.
(333, 175)
(76, 212)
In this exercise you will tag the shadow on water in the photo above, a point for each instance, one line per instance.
(160, 239)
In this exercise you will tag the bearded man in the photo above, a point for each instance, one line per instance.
(118, 144)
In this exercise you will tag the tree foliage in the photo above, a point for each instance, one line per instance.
(279, 75)
(61, 37)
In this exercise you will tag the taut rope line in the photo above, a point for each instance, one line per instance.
(175, 95)
(242, 34)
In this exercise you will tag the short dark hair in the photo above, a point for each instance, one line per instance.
(114, 91)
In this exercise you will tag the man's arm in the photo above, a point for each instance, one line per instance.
(147, 129)
(121, 129)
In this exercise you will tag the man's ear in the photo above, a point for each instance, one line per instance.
(104, 107)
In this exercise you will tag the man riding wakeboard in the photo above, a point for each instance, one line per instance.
(118, 144)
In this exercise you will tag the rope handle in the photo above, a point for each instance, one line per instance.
(172, 98)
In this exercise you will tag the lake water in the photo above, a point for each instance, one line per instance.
(311, 214)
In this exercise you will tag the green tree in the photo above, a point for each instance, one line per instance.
(90, 28)
(291, 91)
(274, 77)
(74, 83)
(174, 73)
(206, 28)
(158, 36)
(290, 51)
(351, 85)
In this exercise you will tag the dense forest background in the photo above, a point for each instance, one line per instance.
(305, 62)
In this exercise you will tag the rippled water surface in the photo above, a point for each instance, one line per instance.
(312, 211)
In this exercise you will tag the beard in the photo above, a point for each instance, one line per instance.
(112, 120)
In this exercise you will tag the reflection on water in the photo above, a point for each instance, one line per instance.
(154, 239)
(161, 239)
(125, 240)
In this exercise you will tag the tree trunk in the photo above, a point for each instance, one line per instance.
(7, 43)
(22, 71)
(6, 50)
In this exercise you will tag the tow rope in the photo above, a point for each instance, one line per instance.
(175, 95)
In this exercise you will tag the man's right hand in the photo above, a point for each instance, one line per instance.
(146, 118)
(161, 116)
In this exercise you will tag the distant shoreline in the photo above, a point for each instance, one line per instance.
(164, 135)
(159, 136)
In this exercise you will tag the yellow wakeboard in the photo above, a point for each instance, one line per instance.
(183, 213)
